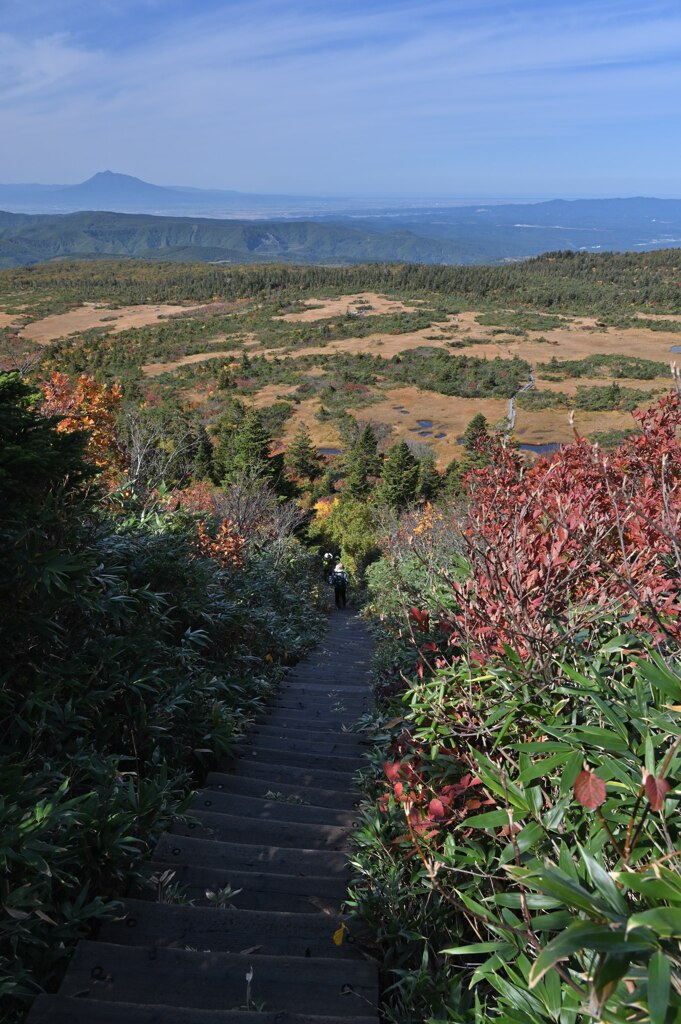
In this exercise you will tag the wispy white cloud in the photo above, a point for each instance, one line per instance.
(38, 68)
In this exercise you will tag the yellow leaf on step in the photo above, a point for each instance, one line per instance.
(339, 934)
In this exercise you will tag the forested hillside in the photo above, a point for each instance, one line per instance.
(577, 282)
(28, 239)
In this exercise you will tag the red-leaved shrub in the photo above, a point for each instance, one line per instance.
(557, 546)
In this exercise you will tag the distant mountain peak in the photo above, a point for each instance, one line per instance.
(110, 176)
(110, 186)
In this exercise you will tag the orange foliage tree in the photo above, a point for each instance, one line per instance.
(91, 407)
(223, 542)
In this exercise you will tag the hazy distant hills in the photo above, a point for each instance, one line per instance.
(324, 234)
(122, 193)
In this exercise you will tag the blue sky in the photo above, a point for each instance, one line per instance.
(421, 97)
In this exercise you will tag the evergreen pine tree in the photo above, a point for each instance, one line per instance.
(226, 432)
(251, 447)
(429, 481)
(452, 484)
(302, 457)
(34, 458)
(400, 477)
(476, 431)
(362, 462)
(203, 458)
(474, 442)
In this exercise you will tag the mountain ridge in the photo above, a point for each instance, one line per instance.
(461, 235)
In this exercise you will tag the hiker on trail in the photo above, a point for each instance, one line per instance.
(328, 565)
(340, 585)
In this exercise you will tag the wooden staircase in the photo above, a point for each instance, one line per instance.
(269, 839)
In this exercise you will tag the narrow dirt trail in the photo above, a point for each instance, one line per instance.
(274, 825)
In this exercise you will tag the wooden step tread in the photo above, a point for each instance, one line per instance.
(325, 696)
(324, 688)
(229, 930)
(251, 890)
(298, 758)
(293, 790)
(235, 828)
(331, 714)
(311, 778)
(306, 741)
(339, 724)
(336, 721)
(270, 810)
(264, 727)
(178, 977)
(244, 857)
(67, 1010)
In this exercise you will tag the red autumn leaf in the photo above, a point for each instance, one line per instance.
(589, 790)
(656, 790)
(421, 618)
(436, 809)
(392, 770)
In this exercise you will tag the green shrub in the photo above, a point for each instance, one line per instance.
(513, 884)
(597, 399)
(542, 400)
(602, 365)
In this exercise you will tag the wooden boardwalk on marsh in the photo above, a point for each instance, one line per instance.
(274, 825)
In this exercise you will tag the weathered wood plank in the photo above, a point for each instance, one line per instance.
(276, 773)
(255, 890)
(243, 857)
(324, 722)
(316, 687)
(304, 745)
(251, 752)
(270, 810)
(261, 933)
(66, 1010)
(234, 828)
(328, 796)
(174, 977)
(340, 739)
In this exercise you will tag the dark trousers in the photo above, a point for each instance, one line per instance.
(340, 593)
